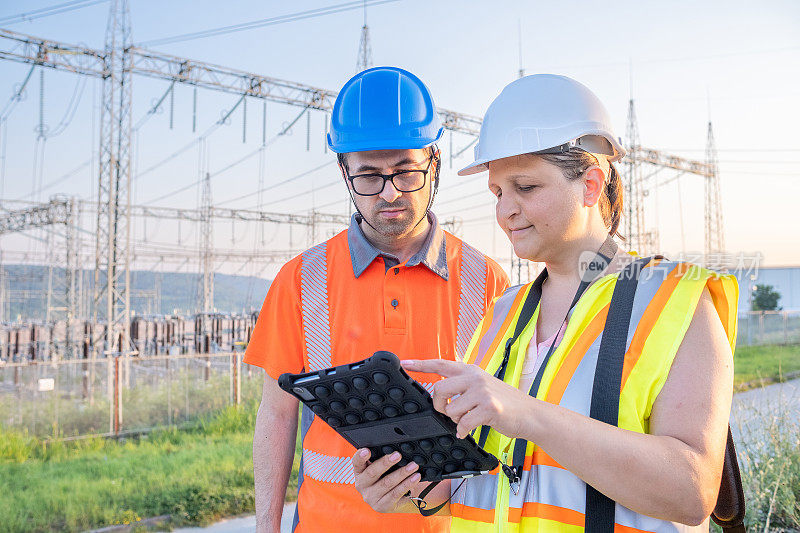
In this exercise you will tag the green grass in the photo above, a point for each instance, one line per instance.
(770, 467)
(204, 472)
(196, 475)
(755, 366)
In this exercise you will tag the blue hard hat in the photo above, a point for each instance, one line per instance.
(383, 108)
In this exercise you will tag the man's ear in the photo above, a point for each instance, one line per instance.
(437, 157)
(594, 181)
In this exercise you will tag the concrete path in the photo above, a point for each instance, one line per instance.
(753, 413)
(242, 524)
(759, 412)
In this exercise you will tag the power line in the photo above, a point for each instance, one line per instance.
(274, 185)
(47, 11)
(340, 200)
(302, 193)
(485, 192)
(465, 209)
(178, 152)
(281, 19)
(758, 162)
(201, 138)
(673, 59)
(753, 150)
(72, 108)
(56, 181)
(17, 96)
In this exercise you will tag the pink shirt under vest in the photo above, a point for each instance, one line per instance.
(534, 357)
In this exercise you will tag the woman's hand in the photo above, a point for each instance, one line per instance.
(384, 493)
(471, 397)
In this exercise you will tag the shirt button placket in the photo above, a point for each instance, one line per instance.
(395, 316)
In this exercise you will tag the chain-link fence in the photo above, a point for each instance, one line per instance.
(768, 327)
(120, 395)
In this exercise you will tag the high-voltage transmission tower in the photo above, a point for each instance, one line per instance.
(63, 251)
(113, 228)
(715, 237)
(643, 241)
(114, 66)
(637, 237)
(207, 246)
(364, 46)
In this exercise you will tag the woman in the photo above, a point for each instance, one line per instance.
(655, 463)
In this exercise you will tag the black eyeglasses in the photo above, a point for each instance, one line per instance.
(404, 181)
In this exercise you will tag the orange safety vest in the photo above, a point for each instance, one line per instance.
(326, 308)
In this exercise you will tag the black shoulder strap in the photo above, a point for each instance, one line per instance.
(608, 375)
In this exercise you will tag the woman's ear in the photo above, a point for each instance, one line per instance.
(594, 182)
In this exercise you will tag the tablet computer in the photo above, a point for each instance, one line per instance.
(375, 404)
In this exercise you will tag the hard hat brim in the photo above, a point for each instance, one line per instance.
(482, 165)
(366, 145)
(475, 167)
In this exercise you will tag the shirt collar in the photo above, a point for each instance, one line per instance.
(432, 255)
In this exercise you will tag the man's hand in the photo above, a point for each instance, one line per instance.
(384, 492)
(472, 397)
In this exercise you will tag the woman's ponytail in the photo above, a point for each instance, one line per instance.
(613, 212)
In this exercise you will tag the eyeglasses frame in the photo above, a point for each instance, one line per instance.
(390, 177)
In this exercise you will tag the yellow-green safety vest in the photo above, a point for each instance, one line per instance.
(551, 498)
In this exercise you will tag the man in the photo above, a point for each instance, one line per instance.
(393, 281)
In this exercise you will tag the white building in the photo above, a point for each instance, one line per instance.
(785, 280)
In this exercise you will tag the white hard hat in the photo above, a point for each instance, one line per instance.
(543, 113)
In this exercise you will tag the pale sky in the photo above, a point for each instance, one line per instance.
(735, 61)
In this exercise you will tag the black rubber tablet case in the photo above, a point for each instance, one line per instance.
(375, 404)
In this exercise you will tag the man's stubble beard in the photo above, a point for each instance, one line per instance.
(397, 227)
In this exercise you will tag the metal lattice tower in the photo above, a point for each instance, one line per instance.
(115, 65)
(634, 195)
(207, 246)
(113, 227)
(63, 253)
(364, 46)
(714, 233)
(3, 290)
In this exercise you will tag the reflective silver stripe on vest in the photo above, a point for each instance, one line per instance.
(473, 289)
(316, 320)
(560, 488)
(479, 492)
(501, 308)
(328, 468)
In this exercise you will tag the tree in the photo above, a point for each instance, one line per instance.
(765, 298)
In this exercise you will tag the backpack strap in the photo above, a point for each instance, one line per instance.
(730, 508)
